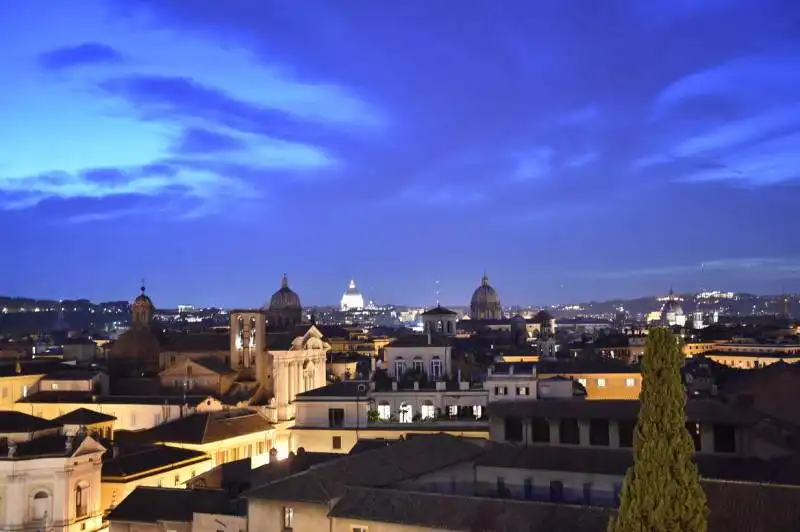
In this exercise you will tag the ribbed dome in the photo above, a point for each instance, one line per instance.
(484, 294)
(285, 297)
(485, 303)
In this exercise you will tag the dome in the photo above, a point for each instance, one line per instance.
(352, 298)
(485, 303)
(142, 310)
(285, 297)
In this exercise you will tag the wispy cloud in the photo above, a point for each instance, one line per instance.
(150, 180)
(776, 267)
(92, 53)
(534, 165)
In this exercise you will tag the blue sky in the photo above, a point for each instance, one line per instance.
(574, 150)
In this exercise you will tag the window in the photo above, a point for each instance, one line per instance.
(599, 432)
(500, 390)
(40, 506)
(540, 430)
(436, 368)
(399, 368)
(54, 386)
(477, 411)
(522, 390)
(427, 410)
(384, 410)
(260, 447)
(587, 493)
(513, 426)
(336, 442)
(288, 518)
(188, 371)
(625, 430)
(724, 438)
(569, 433)
(630, 382)
(405, 413)
(359, 529)
(24, 390)
(582, 382)
(601, 383)
(418, 365)
(694, 432)
(81, 500)
(336, 417)
(556, 491)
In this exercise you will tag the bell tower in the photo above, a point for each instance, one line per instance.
(248, 337)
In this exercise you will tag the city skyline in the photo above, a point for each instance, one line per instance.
(573, 151)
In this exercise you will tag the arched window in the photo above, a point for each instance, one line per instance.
(399, 368)
(418, 365)
(436, 368)
(40, 505)
(81, 499)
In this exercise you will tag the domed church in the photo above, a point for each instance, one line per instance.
(136, 351)
(284, 311)
(485, 303)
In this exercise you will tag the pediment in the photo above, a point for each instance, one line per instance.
(88, 446)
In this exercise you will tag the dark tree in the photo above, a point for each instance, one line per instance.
(662, 491)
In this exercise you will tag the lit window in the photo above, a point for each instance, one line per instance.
(630, 382)
(359, 529)
(522, 390)
(601, 383)
(54, 386)
(582, 382)
(384, 411)
(405, 413)
(427, 411)
(288, 518)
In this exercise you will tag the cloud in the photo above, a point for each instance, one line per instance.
(199, 140)
(158, 97)
(775, 267)
(534, 165)
(738, 122)
(149, 180)
(81, 55)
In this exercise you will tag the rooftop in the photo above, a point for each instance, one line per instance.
(701, 410)
(141, 461)
(341, 389)
(382, 466)
(201, 428)
(89, 397)
(16, 422)
(84, 416)
(154, 505)
(452, 512)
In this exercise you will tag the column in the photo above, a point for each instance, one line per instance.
(555, 431)
(284, 383)
(291, 383)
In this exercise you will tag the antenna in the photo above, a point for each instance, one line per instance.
(437, 293)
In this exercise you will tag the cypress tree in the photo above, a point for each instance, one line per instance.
(662, 491)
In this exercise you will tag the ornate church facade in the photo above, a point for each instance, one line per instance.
(271, 356)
